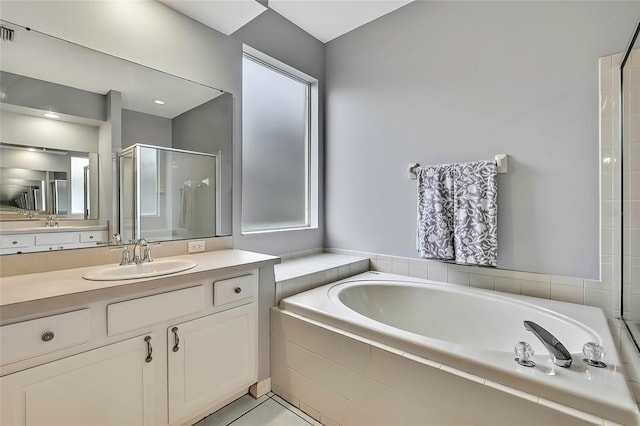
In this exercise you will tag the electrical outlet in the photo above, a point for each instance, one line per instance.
(196, 246)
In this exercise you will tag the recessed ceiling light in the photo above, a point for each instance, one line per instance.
(51, 115)
(159, 102)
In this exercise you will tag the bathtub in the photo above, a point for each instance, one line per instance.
(442, 328)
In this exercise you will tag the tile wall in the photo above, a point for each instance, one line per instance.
(567, 289)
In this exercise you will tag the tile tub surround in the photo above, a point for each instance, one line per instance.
(545, 286)
(351, 380)
(603, 393)
(312, 269)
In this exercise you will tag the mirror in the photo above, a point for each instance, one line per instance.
(67, 110)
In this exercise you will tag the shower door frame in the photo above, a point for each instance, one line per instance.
(621, 123)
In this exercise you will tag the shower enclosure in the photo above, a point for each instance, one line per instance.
(167, 194)
(629, 120)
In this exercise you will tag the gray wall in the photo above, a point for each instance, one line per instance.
(209, 128)
(33, 93)
(139, 127)
(441, 82)
(21, 129)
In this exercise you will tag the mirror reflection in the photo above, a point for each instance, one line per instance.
(68, 111)
(166, 193)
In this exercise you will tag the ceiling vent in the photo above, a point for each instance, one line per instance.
(6, 33)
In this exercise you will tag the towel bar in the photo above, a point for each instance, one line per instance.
(501, 163)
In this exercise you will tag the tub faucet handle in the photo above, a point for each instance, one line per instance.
(594, 354)
(524, 352)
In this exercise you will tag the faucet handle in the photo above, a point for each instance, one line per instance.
(147, 252)
(594, 354)
(524, 352)
(126, 257)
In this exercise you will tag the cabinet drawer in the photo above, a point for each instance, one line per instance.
(93, 236)
(43, 335)
(56, 238)
(16, 241)
(137, 313)
(234, 289)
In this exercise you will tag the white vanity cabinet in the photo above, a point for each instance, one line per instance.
(160, 357)
(50, 241)
(114, 385)
(210, 358)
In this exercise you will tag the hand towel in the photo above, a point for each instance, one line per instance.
(475, 209)
(435, 239)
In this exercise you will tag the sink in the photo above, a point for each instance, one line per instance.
(142, 270)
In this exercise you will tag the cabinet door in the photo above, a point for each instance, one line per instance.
(112, 385)
(210, 359)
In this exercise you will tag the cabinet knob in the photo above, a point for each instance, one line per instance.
(91, 237)
(14, 242)
(47, 336)
(238, 290)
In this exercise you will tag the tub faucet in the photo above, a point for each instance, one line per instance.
(559, 354)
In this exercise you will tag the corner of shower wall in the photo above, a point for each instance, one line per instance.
(610, 178)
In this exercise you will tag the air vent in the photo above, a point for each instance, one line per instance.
(6, 33)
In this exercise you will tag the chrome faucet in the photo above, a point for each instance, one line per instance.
(126, 257)
(141, 245)
(52, 222)
(559, 354)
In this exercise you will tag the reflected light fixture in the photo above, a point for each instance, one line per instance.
(51, 115)
(158, 102)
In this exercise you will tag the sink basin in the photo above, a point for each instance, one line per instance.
(142, 270)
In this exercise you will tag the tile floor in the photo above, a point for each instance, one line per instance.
(268, 410)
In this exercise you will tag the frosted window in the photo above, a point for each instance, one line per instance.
(77, 184)
(275, 149)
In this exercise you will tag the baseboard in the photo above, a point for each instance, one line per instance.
(261, 388)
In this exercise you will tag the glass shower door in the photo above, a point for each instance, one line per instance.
(167, 194)
(630, 142)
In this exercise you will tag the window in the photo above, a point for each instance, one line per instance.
(278, 146)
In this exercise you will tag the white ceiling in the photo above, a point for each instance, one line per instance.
(323, 19)
(226, 16)
(328, 19)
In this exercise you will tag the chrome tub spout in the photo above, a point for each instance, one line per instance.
(559, 354)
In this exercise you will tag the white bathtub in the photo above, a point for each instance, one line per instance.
(474, 331)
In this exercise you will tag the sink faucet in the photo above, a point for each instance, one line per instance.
(52, 222)
(141, 246)
(559, 354)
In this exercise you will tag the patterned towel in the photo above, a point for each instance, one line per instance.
(435, 212)
(458, 212)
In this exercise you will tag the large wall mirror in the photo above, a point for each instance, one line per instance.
(68, 111)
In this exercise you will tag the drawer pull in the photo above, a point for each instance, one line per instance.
(149, 349)
(176, 339)
(47, 336)
(238, 290)
(14, 242)
(91, 237)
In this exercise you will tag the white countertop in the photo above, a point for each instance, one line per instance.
(45, 229)
(21, 289)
